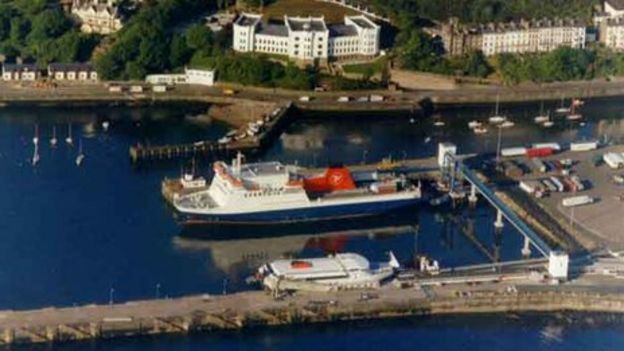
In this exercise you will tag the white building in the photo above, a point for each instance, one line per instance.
(614, 8)
(612, 33)
(200, 76)
(532, 36)
(20, 72)
(190, 76)
(307, 38)
(72, 71)
(97, 16)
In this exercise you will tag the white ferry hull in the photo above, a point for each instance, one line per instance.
(312, 212)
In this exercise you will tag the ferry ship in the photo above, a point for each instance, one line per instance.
(270, 192)
(341, 271)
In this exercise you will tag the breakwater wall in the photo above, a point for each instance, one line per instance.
(256, 309)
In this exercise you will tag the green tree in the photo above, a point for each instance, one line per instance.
(199, 37)
(179, 53)
(475, 64)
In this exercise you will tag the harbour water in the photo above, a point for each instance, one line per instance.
(101, 232)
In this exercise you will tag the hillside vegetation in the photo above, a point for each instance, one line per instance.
(41, 31)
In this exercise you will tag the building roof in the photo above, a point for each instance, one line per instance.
(248, 20)
(616, 4)
(279, 30)
(310, 24)
(362, 21)
(70, 67)
(501, 27)
(342, 30)
(19, 67)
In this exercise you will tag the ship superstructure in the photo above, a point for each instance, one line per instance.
(335, 272)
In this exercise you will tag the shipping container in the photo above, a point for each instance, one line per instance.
(584, 145)
(539, 165)
(540, 152)
(554, 146)
(577, 201)
(513, 151)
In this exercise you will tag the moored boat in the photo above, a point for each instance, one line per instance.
(343, 271)
(271, 192)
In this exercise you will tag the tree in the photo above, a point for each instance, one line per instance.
(179, 52)
(423, 53)
(198, 37)
(475, 64)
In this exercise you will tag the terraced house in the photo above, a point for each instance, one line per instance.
(308, 38)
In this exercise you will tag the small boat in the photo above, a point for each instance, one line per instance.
(548, 124)
(412, 120)
(562, 108)
(541, 118)
(439, 124)
(497, 118)
(36, 137)
(69, 139)
(573, 115)
(507, 124)
(224, 140)
(231, 133)
(53, 140)
(474, 124)
(427, 140)
(480, 130)
(81, 155)
(578, 102)
(105, 125)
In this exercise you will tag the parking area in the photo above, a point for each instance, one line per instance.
(583, 178)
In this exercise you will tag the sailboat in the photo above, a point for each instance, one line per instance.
(562, 109)
(541, 118)
(573, 115)
(474, 124)
(53, 140)
(81, 155)
(35, 158)
(549, 122)
(69, 139)
(497, 118)
(36, 137)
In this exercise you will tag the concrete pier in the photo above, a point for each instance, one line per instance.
(248, 145)
(495, 293)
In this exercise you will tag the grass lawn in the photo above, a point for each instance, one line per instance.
(366, 68)
(333, 13)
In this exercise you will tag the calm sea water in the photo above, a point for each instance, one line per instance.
(72, 235)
